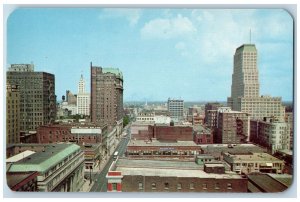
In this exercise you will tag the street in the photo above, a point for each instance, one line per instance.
(101, 184)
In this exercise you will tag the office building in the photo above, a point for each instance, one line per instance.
(12, 114)
(83, 99)
(271, 133)
(106, 96)
(175, 108)
(37, 95)
(245, 95)
(233, 127)
(211, 114)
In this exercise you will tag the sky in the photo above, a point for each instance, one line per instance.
(176, 53)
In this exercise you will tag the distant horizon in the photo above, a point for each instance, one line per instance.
(177, 53)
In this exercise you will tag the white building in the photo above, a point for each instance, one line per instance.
(245, 87)
(271, 133)
(175, 107)
(83, 99)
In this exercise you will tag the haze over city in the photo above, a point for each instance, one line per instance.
(177, 53)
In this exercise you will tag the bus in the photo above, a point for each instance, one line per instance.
(116, 155)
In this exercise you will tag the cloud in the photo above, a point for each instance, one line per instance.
(181, 47)
(167, 28)
(131, 15)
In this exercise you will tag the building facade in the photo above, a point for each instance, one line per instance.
(106, 95)
(37, 95)
(12, 114)
(60, 167)
(245, 95)
(83, 99)
(128, 175)
(248, 162)
(175, 108)
(162, 149)
(233, 127)
(271, 133)
(211, 114)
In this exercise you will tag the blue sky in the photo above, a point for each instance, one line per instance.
(177, 53)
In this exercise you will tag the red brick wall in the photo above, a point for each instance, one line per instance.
(176, 133)
(203, 138)
(131, 184)
(62, 133)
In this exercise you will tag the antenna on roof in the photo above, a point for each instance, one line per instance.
(250, 36)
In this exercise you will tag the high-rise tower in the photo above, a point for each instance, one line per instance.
(245, 87)
(245, 73)
(106, 95)
(37, 95)
(83, 99)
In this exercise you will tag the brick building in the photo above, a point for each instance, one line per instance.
(106, 95)
(203, 135)
(12, 114)
(233, 127)
(211, 114)
(22, 182)
(128, 175)
(69, 133)
(37, 95)
(162, 149)
(163, 132)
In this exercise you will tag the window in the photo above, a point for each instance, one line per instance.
(166, 185)
(179, 186)
(153, 185)
(192, 185)
(204, 186)
(229, 186)
(217, 186)
(114, 186)
(140, 186)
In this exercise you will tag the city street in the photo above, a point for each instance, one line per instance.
(100, 185)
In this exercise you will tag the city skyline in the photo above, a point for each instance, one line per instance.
(162, 53)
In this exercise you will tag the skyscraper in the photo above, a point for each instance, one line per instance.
(12, 114)
(106, 95)
(175, 108)
(83, 99)
(37, 95)
(245, 87)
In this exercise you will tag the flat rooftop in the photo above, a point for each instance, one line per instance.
(218, 148)
(167, 169)
(46, 159)
(257, 157)
(158, 143)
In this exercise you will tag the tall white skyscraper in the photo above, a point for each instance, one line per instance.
(83, 99)
(245, 87)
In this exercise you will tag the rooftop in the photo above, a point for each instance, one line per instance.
(262, 157)
(167, 169)
(247, 47)
(266, 183)
(161, 143)
(45, 160)
(115, 71)
(19, 156)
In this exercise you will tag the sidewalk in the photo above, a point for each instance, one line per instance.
(86, 187)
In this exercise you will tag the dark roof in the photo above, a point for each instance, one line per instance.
(266, 183)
